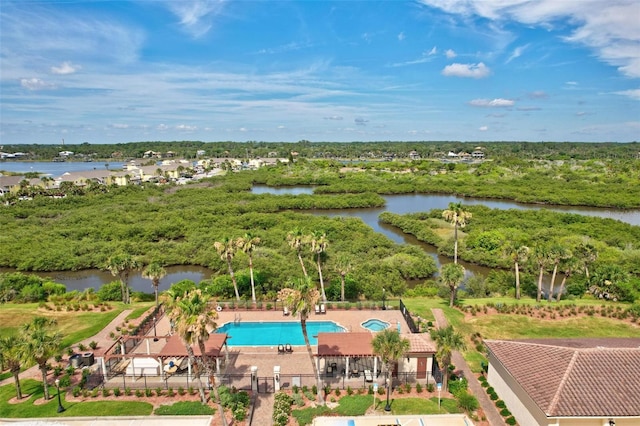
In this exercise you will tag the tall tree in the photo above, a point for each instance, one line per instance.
(301, 300)
(194, 320)
(569, 265)
(343, 267)
(451, 275)
(319, 245)
(447, 341)
(12, 356)
(227, 249)
(154, 272)
(390, 347)
(519, 254)
(247, 244)
(121, 265)
(458, 217)
(296, 240)
(557, 253)
(587, 253)
(41, 342)
(541, 256)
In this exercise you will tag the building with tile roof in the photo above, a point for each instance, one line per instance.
(568, 382)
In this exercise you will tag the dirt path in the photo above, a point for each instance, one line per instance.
(489, 408)
(102, 337)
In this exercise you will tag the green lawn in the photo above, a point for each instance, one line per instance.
(33, 389)
(185, 408)
(423, 406)
(354, 405)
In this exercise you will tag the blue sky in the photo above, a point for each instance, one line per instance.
(487, 70)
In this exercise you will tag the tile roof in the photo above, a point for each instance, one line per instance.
(575, 377)
(345, 344)
(176, 348)
(420, 343)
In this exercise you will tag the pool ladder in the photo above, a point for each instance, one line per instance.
(237, 318)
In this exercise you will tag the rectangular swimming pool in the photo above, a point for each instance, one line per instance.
(275, 333)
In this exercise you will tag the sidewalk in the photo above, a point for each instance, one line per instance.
(102, 338)
(493, 416)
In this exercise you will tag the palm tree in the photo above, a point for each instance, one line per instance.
(121, 265)
(557, 253)
(458, 217)
(519, 254)
(390, 347)
(12, 356)
(227, 250)
(343, 267)
(447, 341)
(301, 300)
(154, 272)
(587, 254)
(194, 321)
(296, 240)
(568, 266)
(319, 245)
(451, 275)
(40, 344)
(541, 257)
(247, 244)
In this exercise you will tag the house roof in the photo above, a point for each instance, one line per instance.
(345, 344)
(176, 348)
(420, 343)
(575, 377)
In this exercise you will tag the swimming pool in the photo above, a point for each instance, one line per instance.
(375, 324)
(275, 333)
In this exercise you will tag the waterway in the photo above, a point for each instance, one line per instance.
(399, 204)
(57, 168)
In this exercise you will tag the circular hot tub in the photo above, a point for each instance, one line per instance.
(375, 324)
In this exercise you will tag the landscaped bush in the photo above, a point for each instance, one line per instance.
(281, 409)
(500, 404)
(418, 388)
(505, 412)
(510, 421)
(236, 401)
(116, 392)
(298, 399)
(457, 386)
(466, 401)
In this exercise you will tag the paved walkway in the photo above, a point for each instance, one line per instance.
(263, 412)
(102, 338)
(491, 412)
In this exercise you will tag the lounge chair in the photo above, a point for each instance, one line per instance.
(280, 349)
(330, 371)
(288, 347)
(285, 311)
(323, 310)
(317, 309)
(368, 376)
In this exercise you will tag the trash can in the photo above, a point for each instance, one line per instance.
(75, 360)
(88, 359)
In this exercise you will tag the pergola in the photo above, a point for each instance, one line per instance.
(350, 346)
(215, 347)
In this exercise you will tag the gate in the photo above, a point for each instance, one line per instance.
(266, 385)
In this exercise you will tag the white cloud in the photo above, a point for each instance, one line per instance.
(492, 103)
(162, 127)
(517, 52)
(632, 93)
(401, 36)
(483, 128)
(120, 126)
(186, 127)
(610, 28)
(433, 51)
(65, 68)
(36, 84)
(479, 70)
(450, 54)
(196, 16)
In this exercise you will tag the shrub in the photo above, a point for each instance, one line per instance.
(116, 392)
(139, 393)
(181, 391)
(281, 409)
(76, 391)
(510, 421)
(295, 389)
(457, 386)
(381, 390)
(370, 390)
(505, 412)
(192, 391)
(430, 387)
(94, 392)
(500, 404)
(298, 399)
(65, 381)
(106, 392)
(349, 391)
(407, 387)
(148, 392)
(337, 391)
(493, 396)
(93, 344)
(418, 388)
(170, 392)
(127, 391)
(314, 389)
(466, 401)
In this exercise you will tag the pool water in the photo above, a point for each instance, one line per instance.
(375, 325)
(275, 333)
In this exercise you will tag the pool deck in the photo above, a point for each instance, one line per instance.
(241, 358)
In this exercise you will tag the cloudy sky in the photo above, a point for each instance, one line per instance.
(122, 71)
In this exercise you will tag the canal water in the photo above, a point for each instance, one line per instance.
(399, 204)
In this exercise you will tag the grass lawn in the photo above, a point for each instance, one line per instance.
(185, 408)
(422, 406)
(73, 409)
(139, 309)
(354, 405)
(74, 326)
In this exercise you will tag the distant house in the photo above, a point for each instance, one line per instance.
(83, 178)
(478, 155)
(413, 155)
(568, 382)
